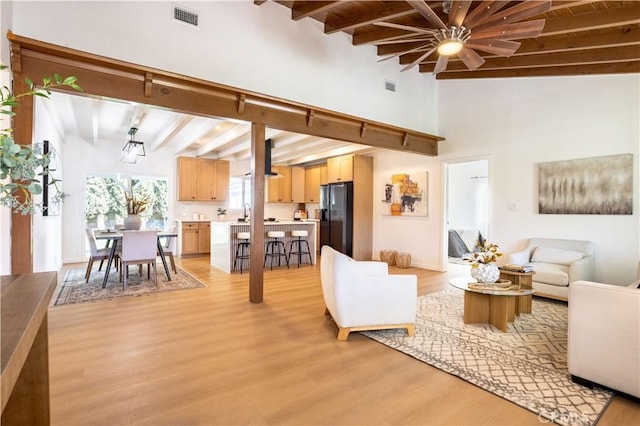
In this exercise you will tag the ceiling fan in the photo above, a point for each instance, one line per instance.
(490, 26)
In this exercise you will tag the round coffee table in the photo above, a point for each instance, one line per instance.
(495, 307)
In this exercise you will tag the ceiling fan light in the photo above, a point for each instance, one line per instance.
(449, 47)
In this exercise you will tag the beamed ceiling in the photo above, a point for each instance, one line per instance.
(578, 37)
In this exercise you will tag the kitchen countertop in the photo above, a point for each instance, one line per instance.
(279, 222)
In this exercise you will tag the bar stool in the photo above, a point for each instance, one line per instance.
(298, 234)
(243, 249)
(275, 248)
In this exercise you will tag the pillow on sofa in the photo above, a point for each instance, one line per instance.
(554, 255)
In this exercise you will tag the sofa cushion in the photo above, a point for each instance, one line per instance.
(551, 273)
(557, 256)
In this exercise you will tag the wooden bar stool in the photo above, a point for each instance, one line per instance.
(275, 248)
(298, 234)
(243, 249)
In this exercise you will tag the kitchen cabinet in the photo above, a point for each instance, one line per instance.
(314, 176)
(202, 179)
(195, 238)
(297, 184)
(279, 187)
(340, 169)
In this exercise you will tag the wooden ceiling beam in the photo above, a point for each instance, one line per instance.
(587, 69)
(586, 56)
(304, 9)
(625, 15)
(374, 13)
(103, 76)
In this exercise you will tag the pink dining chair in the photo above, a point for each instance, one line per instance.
(96, 253)
(138, 248)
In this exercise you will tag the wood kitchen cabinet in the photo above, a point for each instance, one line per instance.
(314, 176)
(287, 187)
(297, 184)
(202, 179)
(340, 169)
(195, 238)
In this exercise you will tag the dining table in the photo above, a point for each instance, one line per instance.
(112, 238)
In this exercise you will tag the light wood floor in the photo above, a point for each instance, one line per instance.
(210, 357)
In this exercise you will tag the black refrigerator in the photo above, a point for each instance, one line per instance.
(336, 216)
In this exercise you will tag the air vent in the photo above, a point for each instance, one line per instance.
(390, 86)
(185, 15)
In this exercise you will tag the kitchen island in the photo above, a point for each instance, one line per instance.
(224, 240)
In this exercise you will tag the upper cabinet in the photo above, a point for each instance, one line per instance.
(340, 169)
(314, 176)
(287, 187)
(202, 179)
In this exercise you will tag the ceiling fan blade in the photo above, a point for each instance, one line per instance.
(420, 59)
(470, 58)
(495, 46)
(395, 55)
(403, 40)
(483, 10)
(458, 12)
(441, 65)
(516, 13)
(405, 27)
(527, 29)
(423, 8)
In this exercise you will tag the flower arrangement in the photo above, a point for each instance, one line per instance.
(135, 205)
(487, 253)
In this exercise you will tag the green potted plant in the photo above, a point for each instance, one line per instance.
(22, 166)
(222, 213)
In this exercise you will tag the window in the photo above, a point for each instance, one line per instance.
(106, 205)
(239, 192)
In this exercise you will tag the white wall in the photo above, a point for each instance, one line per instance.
(419, 236)
(240, 44)
(522, 122)
(467, 195)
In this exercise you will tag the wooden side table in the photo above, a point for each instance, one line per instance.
(523, 280)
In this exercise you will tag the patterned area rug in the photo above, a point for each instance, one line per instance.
(527, 365)
(75, 290)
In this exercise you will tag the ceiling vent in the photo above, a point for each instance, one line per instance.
(390, 86)
(185, 15)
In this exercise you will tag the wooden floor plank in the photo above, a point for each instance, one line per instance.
(210, 357)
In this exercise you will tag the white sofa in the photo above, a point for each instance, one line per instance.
(556, 263)
(604, 335)
(363, 296)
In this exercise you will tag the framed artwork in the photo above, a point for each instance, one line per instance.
(406, 195)
(598, 185)
(49, 206)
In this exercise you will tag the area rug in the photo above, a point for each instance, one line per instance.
(75, 290)
(527, 365)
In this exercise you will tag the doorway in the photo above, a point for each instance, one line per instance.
(467, 201)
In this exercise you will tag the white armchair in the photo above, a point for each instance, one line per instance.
(557, 263)
(604, 335)
(363, 296)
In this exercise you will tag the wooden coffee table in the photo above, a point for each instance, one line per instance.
(495, 307)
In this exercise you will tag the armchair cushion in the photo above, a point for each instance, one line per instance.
(557, 256)
(551, 273)
(363, 296)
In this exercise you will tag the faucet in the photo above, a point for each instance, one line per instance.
(246, 210)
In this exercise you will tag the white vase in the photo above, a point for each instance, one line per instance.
(132, 222)
(486, 273)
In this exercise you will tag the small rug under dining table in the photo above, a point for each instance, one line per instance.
(527, 365)
(74, 289)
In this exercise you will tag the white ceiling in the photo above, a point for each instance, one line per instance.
(108, 121)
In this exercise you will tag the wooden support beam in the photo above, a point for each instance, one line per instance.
(148, 84)
(363, 130)
(310, 116)
(242, 98)
(256, 269)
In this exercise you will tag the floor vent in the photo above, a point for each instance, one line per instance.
(390, 86)
(185, 15)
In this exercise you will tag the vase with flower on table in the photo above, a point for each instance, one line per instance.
(483, 263)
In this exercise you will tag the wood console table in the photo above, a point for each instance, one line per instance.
(24, 355)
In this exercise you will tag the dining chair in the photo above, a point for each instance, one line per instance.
(169, 248)
(96, 253)
(138, 248)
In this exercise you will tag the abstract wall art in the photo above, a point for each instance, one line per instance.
(598, 185)
(406, 195)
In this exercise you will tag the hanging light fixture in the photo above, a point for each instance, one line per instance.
(132, 149)
(451, 40)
